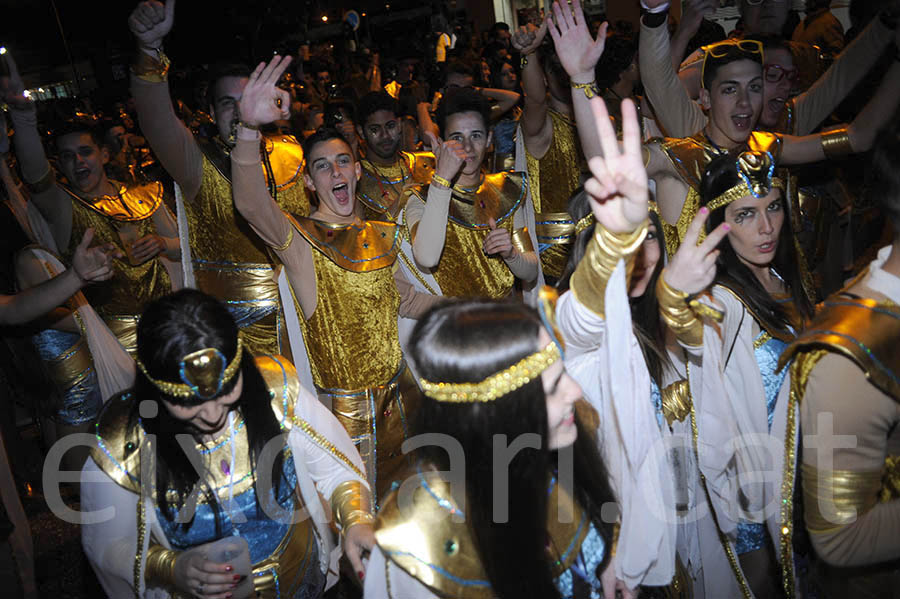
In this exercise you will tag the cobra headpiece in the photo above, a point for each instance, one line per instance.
(204, 373)
(756, 178)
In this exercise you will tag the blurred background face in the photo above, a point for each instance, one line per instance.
(779, 76)
(382, 132)
(508, 78)
(765, 16)
(228, 92)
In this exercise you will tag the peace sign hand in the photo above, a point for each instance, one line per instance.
(618, 190)
(693, 267)
(577, 50)
(262, 101)
(449, 156)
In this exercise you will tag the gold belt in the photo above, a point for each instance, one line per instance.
(554, 228)
(237, 282)
(835, 498)
(124, 327)
(70, 367)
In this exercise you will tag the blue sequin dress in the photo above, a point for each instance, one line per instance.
(81, 400)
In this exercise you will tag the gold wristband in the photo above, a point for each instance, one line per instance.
(248, 126)
(160, 568)
(523, 62)
(604, 250)
(153, 70)
(836, 144)
(287, 243)
(590, 89)
(351, 505)
(521, 240)
(677, 314)
(435, 178)
(44, 183)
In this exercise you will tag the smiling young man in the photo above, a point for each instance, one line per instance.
(227, 260)
(133, 218)
(341, 270)
(469, 229)
(386, 171)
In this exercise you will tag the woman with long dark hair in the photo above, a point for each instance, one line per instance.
(760, 292)
(240, 449)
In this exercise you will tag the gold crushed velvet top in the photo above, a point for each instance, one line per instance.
(431, 541)
(131, 287)
(218, 233)
(352, 339)
(381, 188)
(690, 156)
(464, 270)
(555, 176)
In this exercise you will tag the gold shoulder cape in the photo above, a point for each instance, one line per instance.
(283, 169)
(863, 330)
(119, 440)
(381, 190)
(429, 538)
(361, 247)
(498, 197)
(133, 203)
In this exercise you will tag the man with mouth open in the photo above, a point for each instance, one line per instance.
(222, 256)
(341, 271)
(133, 218)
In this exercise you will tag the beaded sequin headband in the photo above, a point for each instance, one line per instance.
(497, 385)
(755, 170)
(204, 373)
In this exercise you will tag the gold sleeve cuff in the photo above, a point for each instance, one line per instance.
(835, 498)
(351, 504)
(521, 240)
(160, 567)
(44, 183)
(836, 144)
(677, 314)
(603, 253)
(151, 69)
(287, 243)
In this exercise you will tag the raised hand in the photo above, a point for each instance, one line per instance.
(498, 242)
(694, 11)
(527, 38)
(93, 264)
(151, 21)
(693, 267)
(449, 156)
(577, 50)
(263, 101)
(12, 88)
(618, 190)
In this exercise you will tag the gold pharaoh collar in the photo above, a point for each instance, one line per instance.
(755, 171)
(204, 373)
(497, 385)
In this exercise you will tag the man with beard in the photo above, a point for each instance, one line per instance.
(133, 218)
(341, 271)
(228, 261)
(386, 171)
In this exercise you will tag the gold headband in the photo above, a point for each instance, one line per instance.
(755, 170)
(497, 385)
(204, 373)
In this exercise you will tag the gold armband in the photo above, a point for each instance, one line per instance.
(615, 539)
(153, 70)
(677, 314)
(835, 498)
(435, 178)
(521, 240)
(351, 505)
(836, 144)
(160, 567)
(287, 243)
(590, 89)
(44, 183)
(603, 252)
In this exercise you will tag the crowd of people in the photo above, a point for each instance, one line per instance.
(566, 310)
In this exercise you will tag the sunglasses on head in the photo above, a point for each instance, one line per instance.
(750, 48)
(775, 73)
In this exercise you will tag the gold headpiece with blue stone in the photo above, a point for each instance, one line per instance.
(756, 172)
(204, 373)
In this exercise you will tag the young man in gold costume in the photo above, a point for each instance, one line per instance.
(342, 274)
(845, 398)
(227, 260)
(133, 218)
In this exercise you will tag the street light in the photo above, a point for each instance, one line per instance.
(2, 50)
(324, 18)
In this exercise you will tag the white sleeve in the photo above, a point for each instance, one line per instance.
(384, 580)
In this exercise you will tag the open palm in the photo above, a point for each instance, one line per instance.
(578, 51)
(618, 189)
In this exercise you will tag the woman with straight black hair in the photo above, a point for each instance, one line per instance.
(241, 450)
